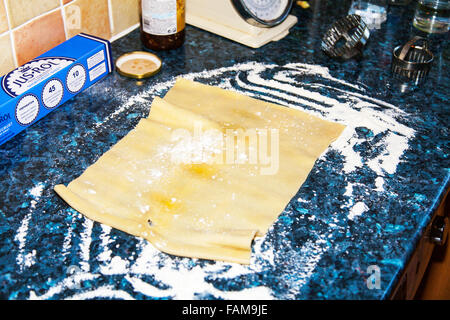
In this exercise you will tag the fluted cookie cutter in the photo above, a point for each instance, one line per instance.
(346, 38)
(411, 61)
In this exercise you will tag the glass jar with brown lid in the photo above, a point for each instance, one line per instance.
(163, 24)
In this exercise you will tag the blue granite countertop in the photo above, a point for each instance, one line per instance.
(366, 201)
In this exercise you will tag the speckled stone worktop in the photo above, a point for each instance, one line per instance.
(366, 201)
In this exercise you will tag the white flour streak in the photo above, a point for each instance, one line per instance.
(388, 160)
(36, 192)
(379, 183)
(147, 289)
(131, 101)
(345, 145)
(308, 257)
(86, 240)
(255, 78)
(268, 255)
(357, 210)
(67, 240)
(27, 259)
(349, 190)
(116, 265)
(21, 238)
(317, 70)
(105, 256)
(102, 292)
(68, 283)
(187, 282)
(258, 293)
(218, 72)
(148, 258)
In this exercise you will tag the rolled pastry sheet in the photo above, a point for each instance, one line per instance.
(205, 173)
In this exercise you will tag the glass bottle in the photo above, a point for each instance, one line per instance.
(373, 12)
(432, 16)
(163, 24)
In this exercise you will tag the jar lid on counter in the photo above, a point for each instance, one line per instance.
(138, 64)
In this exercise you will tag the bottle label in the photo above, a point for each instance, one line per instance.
(159, 17)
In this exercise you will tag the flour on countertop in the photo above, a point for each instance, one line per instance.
(358, 209)
(86, 239)
(28, 259)
(184, 278)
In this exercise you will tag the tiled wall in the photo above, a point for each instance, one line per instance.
(29, 28)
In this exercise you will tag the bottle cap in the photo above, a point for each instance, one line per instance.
(138, 64)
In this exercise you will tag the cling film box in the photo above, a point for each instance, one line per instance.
(35, 89)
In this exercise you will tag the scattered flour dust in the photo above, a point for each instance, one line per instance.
(86, 240)
(357, 210)
(27, 259)
(36, 192)
(186, 279)
(379, 183)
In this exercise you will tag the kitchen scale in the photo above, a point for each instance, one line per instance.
(250, 22)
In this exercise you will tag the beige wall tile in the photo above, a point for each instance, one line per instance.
(3, 18)
(125, 14)
(6, 58)
(39, 36)
(20, 11)
(89, 16)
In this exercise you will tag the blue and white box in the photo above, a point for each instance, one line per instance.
(35, 89)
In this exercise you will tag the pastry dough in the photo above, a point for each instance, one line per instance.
(204, 208)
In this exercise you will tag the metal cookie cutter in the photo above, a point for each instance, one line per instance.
(346, 38)
(411, 61)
